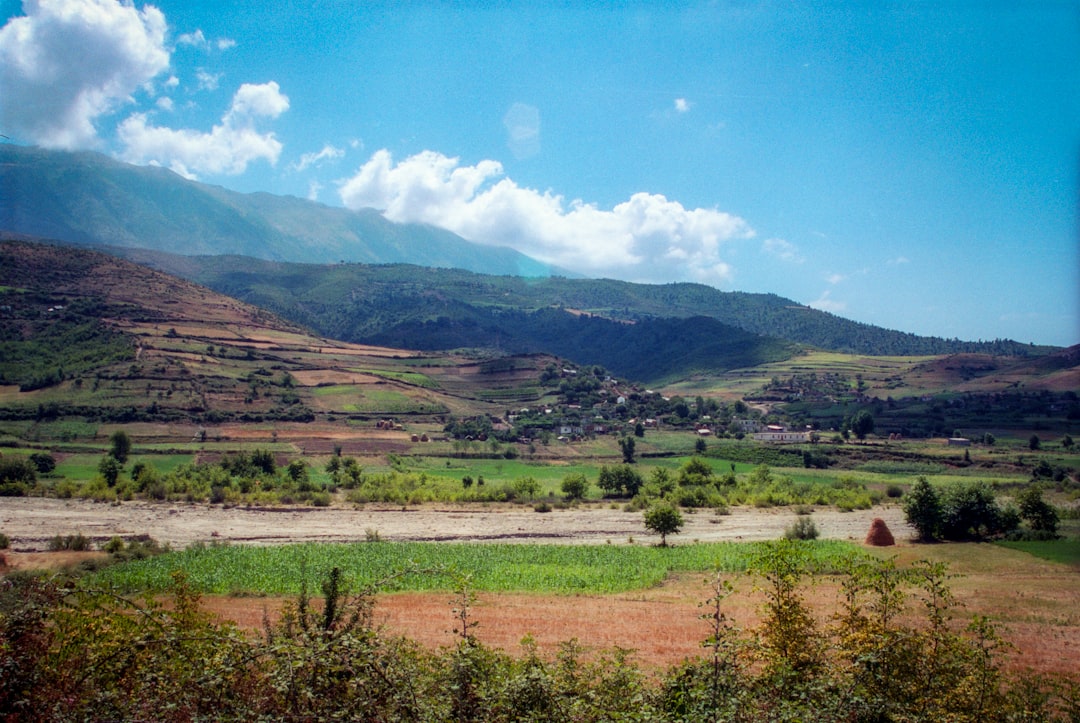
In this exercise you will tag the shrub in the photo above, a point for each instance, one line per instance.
(44, 462)
(75, 543)
(5, 541)
(575, 486)
(802, 529)
(894, 492)
(922, 510)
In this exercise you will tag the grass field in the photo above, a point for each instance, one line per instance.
(1065, 551)
(544, 569)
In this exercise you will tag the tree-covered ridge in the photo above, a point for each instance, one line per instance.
(420, 308)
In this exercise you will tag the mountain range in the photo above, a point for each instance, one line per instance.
(354, 284)
(87, 198)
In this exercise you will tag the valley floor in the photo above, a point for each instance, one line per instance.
(30, 522)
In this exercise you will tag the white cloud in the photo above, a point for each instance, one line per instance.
(835, 279)
(682, 105)
(783, 250)
(195, 39)
(165, 103)
(207, 80)
(646, 238)
(68, 62)
(263, 99)
(314, 188)
(899, 260)
(199, 40)
(825, 302)
(523, 128)
(328, 153)
(226, 149)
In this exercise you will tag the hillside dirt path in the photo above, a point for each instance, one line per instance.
(30, 522)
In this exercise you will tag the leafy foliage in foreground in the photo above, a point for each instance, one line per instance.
(71, 653)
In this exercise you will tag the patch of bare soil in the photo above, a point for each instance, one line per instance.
(31, 521)
(662, 626)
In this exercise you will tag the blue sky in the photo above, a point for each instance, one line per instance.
(912, 165)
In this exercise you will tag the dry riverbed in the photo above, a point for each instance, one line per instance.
(30, 522)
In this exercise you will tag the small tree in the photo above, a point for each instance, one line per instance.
(620, 480)
(664, 519)
(120, 446)
(1034, 444)
(109, 468)
(575, 486)
(1037, 512)
(626, 444)
(862, 424)
(922, 509)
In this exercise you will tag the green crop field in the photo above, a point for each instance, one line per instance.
(559, 569)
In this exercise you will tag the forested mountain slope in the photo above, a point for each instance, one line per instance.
(359, 300)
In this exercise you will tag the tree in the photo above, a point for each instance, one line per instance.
(695, 471)
(970, 512)
(1037, 512)
(1034, 443)
(699, 445)
(575, 486)
(43, 462)
(922, 509)
(109, 467)
(1067, 442)
(626, 444)
(121, 446)
(621, 480)
(862, 424)
(664, 519)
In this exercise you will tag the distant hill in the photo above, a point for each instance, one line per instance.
(641, 331)
(90, 199)
(88, 336)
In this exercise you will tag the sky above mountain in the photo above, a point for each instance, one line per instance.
(908, 164)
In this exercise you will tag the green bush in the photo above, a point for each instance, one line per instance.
(75, 543)
(5, 541)
(802, 529)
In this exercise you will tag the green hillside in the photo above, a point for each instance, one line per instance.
(643, 331)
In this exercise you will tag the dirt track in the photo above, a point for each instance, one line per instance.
(30, 522)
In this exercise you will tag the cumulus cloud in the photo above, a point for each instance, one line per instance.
(783, 250)
(682, 105)
(328, 153)
(65, 63)
(523, 128)
(226, 149)
(646, 238)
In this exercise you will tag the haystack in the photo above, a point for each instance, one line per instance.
(879, 535)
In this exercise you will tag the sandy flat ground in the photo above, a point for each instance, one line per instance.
(30, 522)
